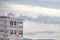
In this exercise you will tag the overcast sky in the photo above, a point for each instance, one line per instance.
(31, 8)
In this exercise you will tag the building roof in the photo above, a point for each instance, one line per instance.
(4, 17)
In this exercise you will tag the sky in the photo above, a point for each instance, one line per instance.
(33, 10)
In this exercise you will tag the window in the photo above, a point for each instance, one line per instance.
(14, 22)
(20, 32)
(11, 22)
(11, 31)
(21, 26)
(14, 31)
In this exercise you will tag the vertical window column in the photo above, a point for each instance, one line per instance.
(14, 22)
(11, 22)
(11, 31)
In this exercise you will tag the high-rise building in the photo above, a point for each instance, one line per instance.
(11, 28)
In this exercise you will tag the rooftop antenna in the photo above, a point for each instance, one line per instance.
(3, 12)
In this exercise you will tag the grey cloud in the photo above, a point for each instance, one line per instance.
(46, 3)
(43, 19)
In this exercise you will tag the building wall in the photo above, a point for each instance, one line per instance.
(14, 29)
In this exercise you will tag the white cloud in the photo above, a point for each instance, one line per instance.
(32, 11)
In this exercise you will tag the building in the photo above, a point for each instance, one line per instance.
(11, 28)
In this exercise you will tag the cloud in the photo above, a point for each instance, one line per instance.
(43, 19)
(34, 11)
(41, 3)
